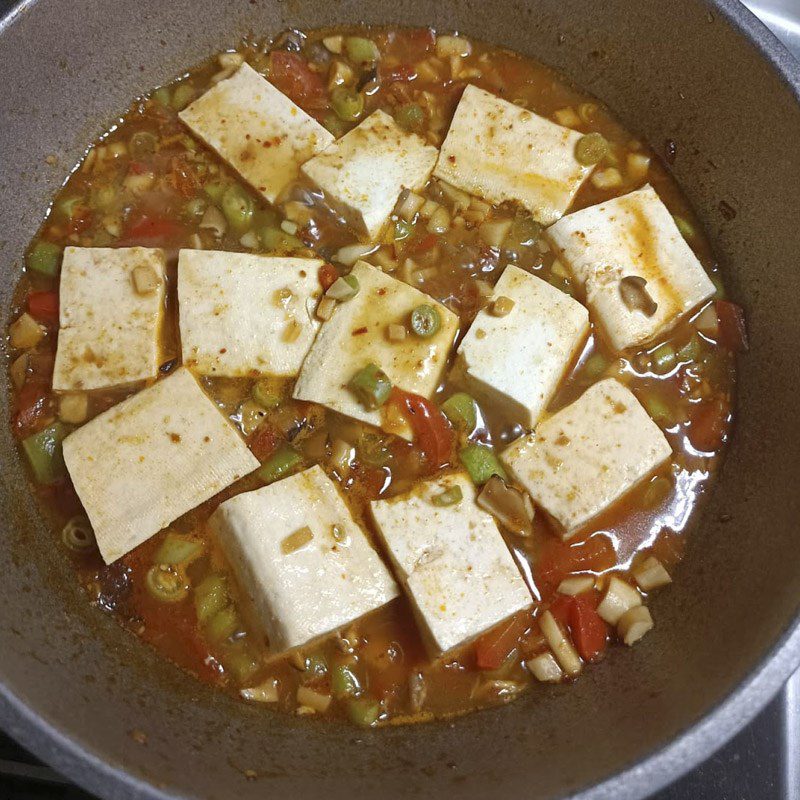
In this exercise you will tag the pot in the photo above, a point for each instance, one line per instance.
(106, 711)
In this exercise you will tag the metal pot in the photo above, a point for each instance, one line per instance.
(77, 690)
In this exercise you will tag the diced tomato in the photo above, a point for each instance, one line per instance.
(33, 404)
(495, 646)
(327, 275)
(151, 231)
(264, 441)
(433, 434)
(558, 559)
(732, 327)
(415, 43)
(137, 167)
(183, 177)
(290, 73)
(43, 306)
(425, 243)
(370, 480)
(560, 608)
(589, 631)
(707, 425)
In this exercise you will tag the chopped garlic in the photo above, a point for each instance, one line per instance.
(634, 624)
(545, 668)
(562, 648)
(650, 574)
(619, 598)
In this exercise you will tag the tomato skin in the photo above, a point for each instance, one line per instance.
(732, 326)
(433, 434)
(707, 429)
(290, 73)
(43, 306)
(558, 559)
(151, 232)
(495, 646)
(33, 404)
(264, 441)
(327, 275)
(415, 43)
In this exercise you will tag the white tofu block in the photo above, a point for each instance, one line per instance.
(244, 315)
(363, 173)
(585, 457)
(257, 129)
(302, 594)
(516, 362)
(501, 152)
(356, 336)
(633, 235)
(452, 561)
(151, 458)
(110, 335)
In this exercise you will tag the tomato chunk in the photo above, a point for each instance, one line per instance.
(558, 559)
(495, 646)
(43, 306)
(327, 275)
(33, 405)
(290, 73)
(589, 631)
(432, 432)
(732, 327)
(707, 429)
(264, 441)
(151, 232)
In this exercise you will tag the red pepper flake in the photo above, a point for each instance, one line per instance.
(359, 331)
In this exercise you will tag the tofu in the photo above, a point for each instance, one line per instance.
(110, 335)
(151, 458)
(501, 152)
(244, 315)
(356, 336)
(304, 580)
(631, 236)
(452, 561)
(257, 129)
(516, 362)
(588, 455)
(363, 173)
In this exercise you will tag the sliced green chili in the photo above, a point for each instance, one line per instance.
(363, 711)
(162, 96)
(344, 682)
(361, 50)
(280, 464)
(44, 258)
(371, 386)
(166, 584)
(481, 463)
(210, 597)
(45, 454)
(425, 321)
(402, 230)
(663, 358)
(241, 661)
(78, 535)
(175, 550)
(215, 190)
(595, 365)
(462, 411)
(347, 103)
(182, 96)
(591, 149)
(685, 227)
(658, 410)
(142, 144)
(223, 625)
(410, 116)
(449, 497)
(237, 206)
(265, 396)
(334, 125)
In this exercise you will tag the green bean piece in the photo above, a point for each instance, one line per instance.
(347, 103)
(167, 584)
(241, 661)
(462, 411)
(182, 96)
(449, 497)
(142, 144)
(591, 149)
(402, 230)
(264, 395)
(44, 258)
(45, 454)
(162, 96)
(481, 463)
(425, 321)
(685, 227)
(66, 206)
(362, 51)
(663, 358)
(411, 117)
(237, 206)
(176, 550)
(223, 625)
(344, 682)
(371, 386)
(281, 463)
(316, 665)
(595, 366)
(215, 190)
(658, 410)
(210, 597)
(78, 535)
(363, 712)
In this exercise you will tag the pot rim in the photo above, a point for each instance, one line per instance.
(653, 772)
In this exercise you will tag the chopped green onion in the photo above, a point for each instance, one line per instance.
(166, 584)
(280, 464)
(237, 206)
(175, 550)
(361, 50)
(182, 96)
(344, 682)
(425, 321)
(410, 116)
(449, 497)
(347, 103)
(481, 463)
(142, 144)
(241, 662)
(66, 207)
(78, 535)
(363, 712)
(265, 396)
(462, 411)
(45, 454)
(44, 258)
(663, 358)
(402, 230)
(343, 288)
(210, 597)
(316, 665)
(223, 625)
(371, 386)
(591, 149)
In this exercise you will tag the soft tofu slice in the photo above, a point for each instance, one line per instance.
(585, 457)
(110, 335)
(302, 594)
(259, 131)
(363, 173)
(516, 362)
(356, 335)
(501, 152)
(631, 236)
(452, 561)
(151, 458)
(243, 315)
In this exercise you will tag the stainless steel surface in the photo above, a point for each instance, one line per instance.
(783, 17)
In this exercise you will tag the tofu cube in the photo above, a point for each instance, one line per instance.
(305, 565)
(110, 333)
(363, 173)
(452, 561)
(501, 152)
(515, 362)
(585, 457)
(151, 458)
(633, 236)
(244, 315)
(356, 335)
(257, 129)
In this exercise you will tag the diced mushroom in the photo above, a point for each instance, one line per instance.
(145, 279)
(576, 584)
(545, 668)
(507, 504)
(214, 221)
(620, 597)
(567, 117)
(634, 624)
(638, 166)
(502, 306)
(266, 692)
(312, 699)
(439, 221)
(650, 574)
(610, 178)
(396, 332)
(325, 308)
(447, 46)
(26, 332)
(562, 648)
(73, 408)
(408, 205)
(707, 321)
(334, 43)
(495, 231)
(19, 370)
(635, 295)
(351, 253)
